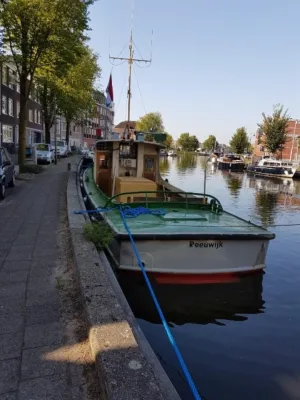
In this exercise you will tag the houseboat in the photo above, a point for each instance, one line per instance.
(182, 237)
(271, 167)
(231, 162)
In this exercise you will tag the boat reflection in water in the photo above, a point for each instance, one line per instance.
(198, 304)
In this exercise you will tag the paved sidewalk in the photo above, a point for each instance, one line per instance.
(30, 315)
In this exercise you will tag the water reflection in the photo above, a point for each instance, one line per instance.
(164, 165)
(198, 304)
(234, 182)
(230, 359)
(202, 163)
(186, 162)
(265, 206)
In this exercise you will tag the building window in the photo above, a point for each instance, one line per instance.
(10, 107)
(18, 109)
(11, 78)
(4, 75)
(4, 105)
(38, 117)
(18, 87)
(7, 133)
(30, 114)
(35, 116)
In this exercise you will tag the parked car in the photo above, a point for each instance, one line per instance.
(61, 146)
(84, 151)
(44, 153)
(7, 172)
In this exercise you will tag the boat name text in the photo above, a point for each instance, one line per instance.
(215, 245)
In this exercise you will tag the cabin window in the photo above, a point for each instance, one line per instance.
(128, 151)
(104, 146)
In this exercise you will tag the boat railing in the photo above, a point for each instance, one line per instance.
(205, 201)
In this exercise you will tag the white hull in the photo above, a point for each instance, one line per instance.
(195, 257)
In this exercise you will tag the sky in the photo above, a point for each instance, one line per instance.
(216, 64)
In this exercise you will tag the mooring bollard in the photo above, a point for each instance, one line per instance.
(69, 166)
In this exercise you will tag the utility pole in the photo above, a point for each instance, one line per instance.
(130, 60)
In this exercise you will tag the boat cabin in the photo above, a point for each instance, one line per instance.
(122, 166)
(270, 162)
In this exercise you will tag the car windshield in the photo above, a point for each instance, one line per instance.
(60, 143)
(42, 147)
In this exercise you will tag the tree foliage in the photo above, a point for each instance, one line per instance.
(50, 77)
(169, 141)
(239, 142)
(32, 29)
(210, 143)
(188, 142)
(75, 95)
(274, 128)
(151, 122)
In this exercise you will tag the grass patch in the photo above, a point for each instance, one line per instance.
(31, 169)
(98, 233)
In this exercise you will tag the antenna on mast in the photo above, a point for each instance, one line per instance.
(130, 61)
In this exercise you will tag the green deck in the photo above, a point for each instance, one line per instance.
(178, 219)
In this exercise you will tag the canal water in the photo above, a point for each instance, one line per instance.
(241, 341)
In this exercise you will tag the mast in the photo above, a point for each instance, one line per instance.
(130, 61)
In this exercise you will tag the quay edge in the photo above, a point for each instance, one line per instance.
(126, 365)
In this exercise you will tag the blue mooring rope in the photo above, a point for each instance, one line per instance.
(128, 212)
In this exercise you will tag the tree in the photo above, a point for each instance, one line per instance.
(188, 142)
(239, 142)
(50, 76)
(151, 122)
(75, 97)
(274, 128)
(30, 30)
(210, 143)
(169, 141)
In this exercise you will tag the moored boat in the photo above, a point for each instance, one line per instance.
(271, 167)
(231, 162)
(172, 153)
(182, 237)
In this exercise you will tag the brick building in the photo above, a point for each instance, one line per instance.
(10, 108)
(291, 150)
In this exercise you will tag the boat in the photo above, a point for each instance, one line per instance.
(163, 153)
(192, 241)
(231, 162)
(270, 167)
(182, 237)
(172, 153)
